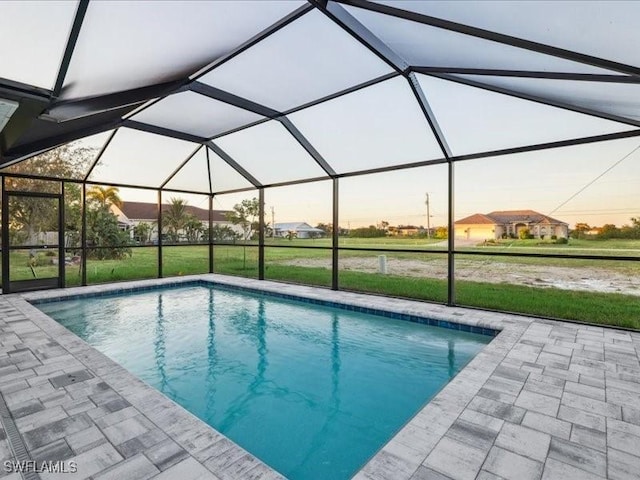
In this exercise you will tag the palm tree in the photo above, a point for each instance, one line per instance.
(105, 196)
(175, 217)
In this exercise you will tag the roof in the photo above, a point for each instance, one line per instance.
(527, 216)
(476, 219)
(149, 212)
(508, 216)
(296, 227)
(206, 126)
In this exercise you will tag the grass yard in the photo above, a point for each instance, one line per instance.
(613, 247)
(313, 267)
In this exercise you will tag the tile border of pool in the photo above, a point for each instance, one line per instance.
(404, 453)
(449, 324)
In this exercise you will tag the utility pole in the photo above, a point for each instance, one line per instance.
(428, 218)
(273, 225)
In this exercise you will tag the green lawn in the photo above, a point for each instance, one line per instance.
(613, 247)
(607, 308)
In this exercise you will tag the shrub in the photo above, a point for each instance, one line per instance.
(562, 241)
(554, 237)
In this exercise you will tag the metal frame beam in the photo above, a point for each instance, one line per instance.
(313, 103)
(159, 221)
(302, 140)
(182, 164)
(536, 99)
(165, 132)
(233, 164)
(495, 37)
(335, 237)
(429, 115)
(576, 77)
(549, 145)
(25, 151)
(14, 90)
(231, 99)
(65, 110)
(210, 231)
(83, 236)
(347, 22)
(353, 27)
(261, 228)
(446, 150)
(100, 153)
(71, 45)
(280, 24)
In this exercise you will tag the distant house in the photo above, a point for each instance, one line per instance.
(507, 223)
(134, 213)
(299, 229)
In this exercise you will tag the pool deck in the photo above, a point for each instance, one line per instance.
(545, 399)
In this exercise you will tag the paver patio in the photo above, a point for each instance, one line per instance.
(545, 399)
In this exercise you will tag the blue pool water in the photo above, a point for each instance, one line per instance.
(312, 391)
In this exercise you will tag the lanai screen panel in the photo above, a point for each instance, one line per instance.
(270, 154)
(224, 177)
(140, 159)
(615, 98)
(69, 161)
(118, 50)
(476, 120)
(306, 60)
(605, 29)
(594, 184)
(193, 176)
(195, 114)
(33, 37)
(428, 46)
(378, 126)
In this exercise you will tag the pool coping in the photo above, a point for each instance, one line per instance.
(416, 450)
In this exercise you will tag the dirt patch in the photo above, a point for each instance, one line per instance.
(543, 276)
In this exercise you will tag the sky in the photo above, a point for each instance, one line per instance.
(543, 181)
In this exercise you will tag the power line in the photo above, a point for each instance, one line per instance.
(595, 180)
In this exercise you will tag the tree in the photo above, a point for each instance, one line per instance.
(442, 233)
(327, 228)
(193, 229)
(103, 231)
(222, 233)
(524, 233)
(245, 215)
(105, 196)
(142, 232)
(580, 230)
(30, 216)
(174, 218)
(609, 230)
(383, 225)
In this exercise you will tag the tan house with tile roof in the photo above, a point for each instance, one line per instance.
(506, 223)
(131, 214)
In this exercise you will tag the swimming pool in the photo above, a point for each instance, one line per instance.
(313, 391)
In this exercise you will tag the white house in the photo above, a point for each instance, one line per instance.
(299, 229)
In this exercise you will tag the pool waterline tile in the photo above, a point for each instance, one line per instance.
(453, 325)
